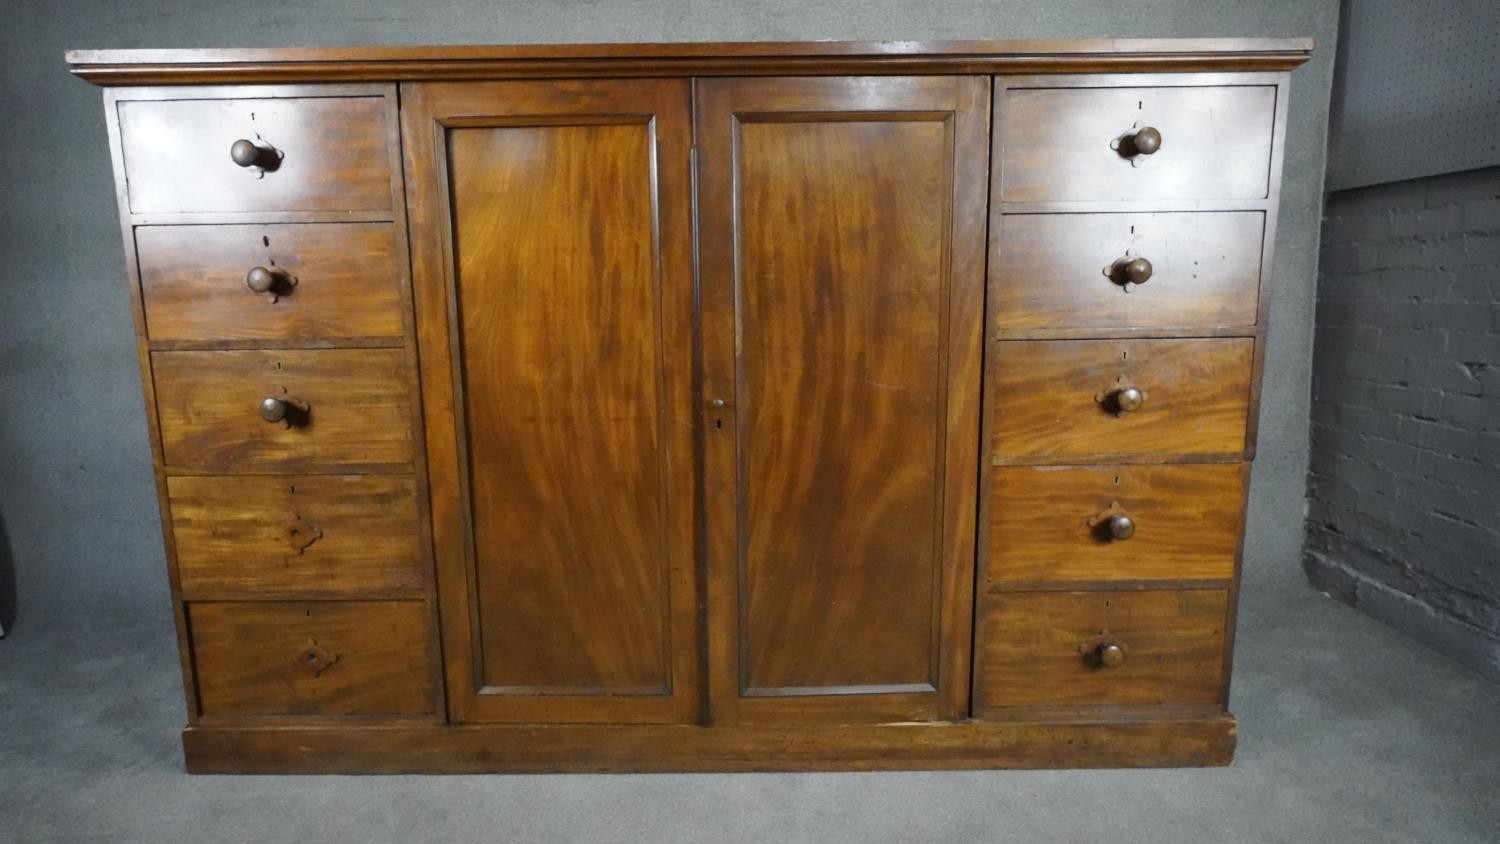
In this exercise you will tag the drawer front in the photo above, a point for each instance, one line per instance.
(1065, 144)
(1051, 648)
(311, 658)
(1060, 400)
(321, 534)
(358, 414)
(1074, 270)
(329, 281)
(334, 154)
(1052, 525)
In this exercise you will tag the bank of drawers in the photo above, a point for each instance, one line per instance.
(1128, 229)
(272, 273)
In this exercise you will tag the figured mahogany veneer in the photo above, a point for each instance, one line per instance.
(310, 534)
(702, 407)
(1044, 648)
(1049, 525)
(315, 658)
(332, 151)
(358, 417)
(1060, 398)
(1064, 270)
(1216, 143)
(338, 282)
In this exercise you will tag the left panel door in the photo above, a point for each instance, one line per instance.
(551, 236)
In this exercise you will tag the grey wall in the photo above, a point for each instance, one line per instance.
(1421, 98)
(76, 493)
(1405, 466)
(1405, 471)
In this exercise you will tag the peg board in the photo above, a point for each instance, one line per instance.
(1418, 92)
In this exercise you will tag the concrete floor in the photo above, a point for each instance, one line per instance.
(1348, 732)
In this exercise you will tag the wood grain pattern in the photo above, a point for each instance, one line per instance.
(1197, 396)
(305, 535)
(570, 469)
(1216, 143)
(1188, 520)
(209, 407)
(853, 293)
(116, 67)
(559, 344)
(348, 282)
(1053, 270)
(1094, 742)
(351, 658)
(177, 154)
(1033, 650)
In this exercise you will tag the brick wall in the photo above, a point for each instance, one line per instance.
(1404, 488)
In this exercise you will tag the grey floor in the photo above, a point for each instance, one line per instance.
(1348, 732)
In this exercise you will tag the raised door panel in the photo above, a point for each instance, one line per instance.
(842, 248)
(552, 244)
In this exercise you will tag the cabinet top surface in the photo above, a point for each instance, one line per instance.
(396, 63)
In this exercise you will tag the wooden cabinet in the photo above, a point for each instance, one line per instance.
(722, 407)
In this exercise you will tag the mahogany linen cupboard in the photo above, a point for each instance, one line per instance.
(702, 407)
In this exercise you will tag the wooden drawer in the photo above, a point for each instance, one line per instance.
(1060, 144)
(333, 281)
(312, 658)
(319, 534)
(1068, 270)
(335, 154)
(1051, 524)
(359, 417)
(1057, 400)
(1044, 648)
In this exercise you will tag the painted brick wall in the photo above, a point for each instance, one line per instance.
(1404, 484)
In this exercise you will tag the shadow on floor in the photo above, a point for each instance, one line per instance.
(7, 584)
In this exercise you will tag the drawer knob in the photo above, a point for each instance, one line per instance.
(1121, 526)
(248, 153)
(1112, 524)
(1132, 270)
(1145, 141)
(271, 282)
(288, 409)
(1129, 399)
(1109, 654)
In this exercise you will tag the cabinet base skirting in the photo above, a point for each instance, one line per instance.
(522, 748)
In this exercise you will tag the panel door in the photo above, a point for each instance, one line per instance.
(552, 250)
(841, 246)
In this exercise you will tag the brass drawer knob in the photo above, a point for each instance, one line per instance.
(286, 409)
(262, 156)
(1110, 655)
(271, 282)
(1121, 526)
(1113, 524)
(1146, 140)
(1128, 399)
(1132, 270)
(1122, 398)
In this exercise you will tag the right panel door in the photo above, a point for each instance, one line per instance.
(842, 259)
